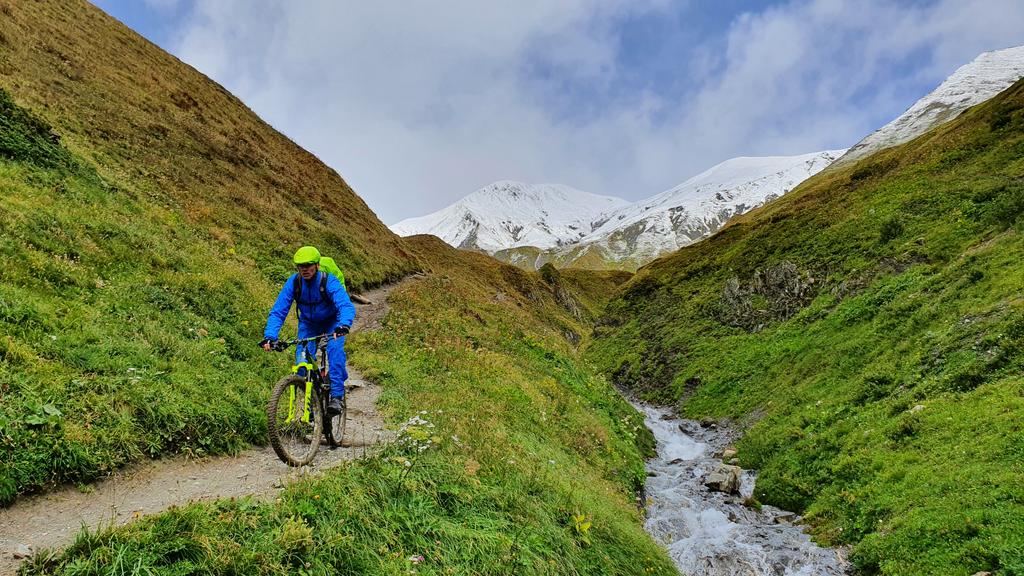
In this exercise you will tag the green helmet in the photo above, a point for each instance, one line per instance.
(306, 255)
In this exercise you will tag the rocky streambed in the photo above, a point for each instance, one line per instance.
(695, 511)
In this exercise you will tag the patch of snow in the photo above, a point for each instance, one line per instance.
(973, 83)
(700, 206)
(509, 214)
(567, 221)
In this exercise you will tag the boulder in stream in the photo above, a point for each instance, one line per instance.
(785, 518)
(725, 478)
(687, 427)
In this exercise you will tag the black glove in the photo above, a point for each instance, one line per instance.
(341, 331)
(271, 341)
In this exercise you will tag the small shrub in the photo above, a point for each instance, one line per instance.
(875, 388)
(906, 427)
(891, 229)
(549, 273)
(783, 491)
(1008, 206)
(295, 536)
(1003, 115)
(872, 170)
(967, 380)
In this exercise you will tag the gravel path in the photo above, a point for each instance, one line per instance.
(52, 520)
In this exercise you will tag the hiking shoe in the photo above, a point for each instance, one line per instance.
(335, 405)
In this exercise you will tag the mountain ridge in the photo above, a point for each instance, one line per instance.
(701, 205)
(973, 83)
(131, 123)
(496, 217)
(612, 233)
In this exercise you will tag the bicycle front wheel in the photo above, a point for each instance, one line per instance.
(334, 424)
(295, 420)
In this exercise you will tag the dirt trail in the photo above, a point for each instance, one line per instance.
(53, 520)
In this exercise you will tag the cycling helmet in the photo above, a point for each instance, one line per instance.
(306, 255)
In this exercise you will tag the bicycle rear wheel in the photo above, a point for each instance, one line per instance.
(334, 424)
(295, 420)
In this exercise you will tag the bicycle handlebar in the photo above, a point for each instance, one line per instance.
(282, 345)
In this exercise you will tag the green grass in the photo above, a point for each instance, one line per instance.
(887, 396)
(124, 335)
(147, 219)
(523, 460)
(171, 139)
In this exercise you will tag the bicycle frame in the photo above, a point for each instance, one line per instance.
(296, 433)
(315, 372)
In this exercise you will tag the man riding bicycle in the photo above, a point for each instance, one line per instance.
(323, 307)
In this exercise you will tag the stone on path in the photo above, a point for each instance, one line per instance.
(21, 551)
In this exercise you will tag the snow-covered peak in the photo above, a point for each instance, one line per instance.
(728, 188)
(509, 214)
(973, 83)
(568, 225)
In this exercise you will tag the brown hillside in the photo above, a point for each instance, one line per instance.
(160, 130)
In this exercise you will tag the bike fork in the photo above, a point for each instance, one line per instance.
(305, 403)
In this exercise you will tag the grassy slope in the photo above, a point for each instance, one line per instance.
(163, 133)
(586, 258)
(891, 401)
(140, 252)
(530, 466)
(139, 255)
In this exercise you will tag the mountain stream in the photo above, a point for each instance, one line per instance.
(711, 533)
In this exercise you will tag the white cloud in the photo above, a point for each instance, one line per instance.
(419, 103)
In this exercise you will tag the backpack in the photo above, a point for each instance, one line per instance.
(327, 266)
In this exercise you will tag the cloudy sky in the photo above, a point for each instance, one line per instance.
(418, 103)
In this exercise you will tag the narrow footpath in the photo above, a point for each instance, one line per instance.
(52, 520)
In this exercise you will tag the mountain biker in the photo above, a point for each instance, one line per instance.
(323, 307)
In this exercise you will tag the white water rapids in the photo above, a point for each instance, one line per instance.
(711, 533)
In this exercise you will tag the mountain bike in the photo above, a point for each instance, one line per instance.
(297, 415)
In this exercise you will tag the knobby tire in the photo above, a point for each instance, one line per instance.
(287, 438)
(334, 424)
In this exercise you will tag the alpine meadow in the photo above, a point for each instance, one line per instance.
(861, 336)
(869, 327)
(148, 220)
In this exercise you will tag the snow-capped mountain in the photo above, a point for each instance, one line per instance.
(695, 209)
(973, 83)
(529, 225)
(512, 214)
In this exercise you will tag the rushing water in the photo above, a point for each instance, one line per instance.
(711, 533)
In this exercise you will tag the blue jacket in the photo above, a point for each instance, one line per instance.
(327, 313)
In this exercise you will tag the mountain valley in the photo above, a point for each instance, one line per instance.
(844, 330)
